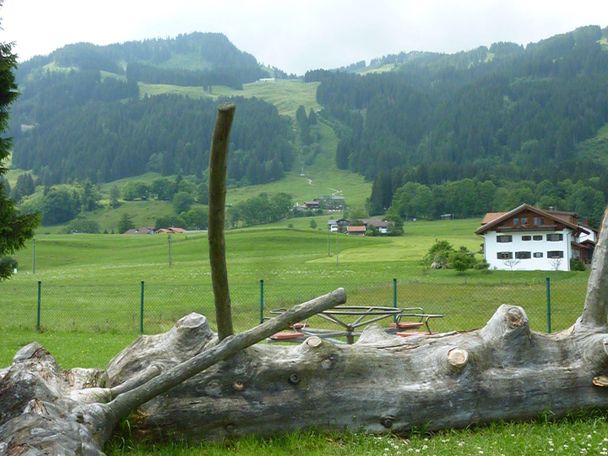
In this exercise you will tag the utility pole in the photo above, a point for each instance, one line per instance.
(170, 240)
(337, 249)
(34, 256)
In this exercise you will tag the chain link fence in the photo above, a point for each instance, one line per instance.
(154, 307)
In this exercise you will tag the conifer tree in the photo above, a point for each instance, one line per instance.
(15, 228)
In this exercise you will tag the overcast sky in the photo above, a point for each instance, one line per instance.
(298, 35)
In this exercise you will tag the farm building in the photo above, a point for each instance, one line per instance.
(171, 230)
(142, 230)
(338, 226)
(528, 238)
(356, 230)
(381, 225)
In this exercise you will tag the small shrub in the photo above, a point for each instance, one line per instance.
(577, 265)
(7, 266)
(462, 259)
(438, 255)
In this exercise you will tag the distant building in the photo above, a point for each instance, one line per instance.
(171, 230)
(332, 203)
(356, 230)
(528, 238)
(338, 226)
(142, 230)
(377, 222)
(314, 204)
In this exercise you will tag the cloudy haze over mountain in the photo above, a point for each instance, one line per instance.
(297, 36)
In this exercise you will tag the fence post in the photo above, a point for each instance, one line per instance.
(261, 301)
(548, 286)
(395, 297)
(38, 306)
(141, 308)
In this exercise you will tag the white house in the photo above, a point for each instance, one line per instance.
(528, 238)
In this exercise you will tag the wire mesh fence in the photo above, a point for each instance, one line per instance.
(154, 307)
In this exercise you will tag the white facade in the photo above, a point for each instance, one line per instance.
(529, 250)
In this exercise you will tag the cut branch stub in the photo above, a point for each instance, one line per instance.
(218, 160)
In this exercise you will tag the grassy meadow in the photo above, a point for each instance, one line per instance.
(286, 94)
(91, 292)
(91, 284)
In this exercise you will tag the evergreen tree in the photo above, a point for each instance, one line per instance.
(24, 187)
(125, 223)
(114, 195)
(15, 228)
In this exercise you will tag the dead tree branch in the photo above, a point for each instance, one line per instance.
(218, 160)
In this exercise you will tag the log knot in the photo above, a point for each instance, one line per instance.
(387, 421)
(515, 318)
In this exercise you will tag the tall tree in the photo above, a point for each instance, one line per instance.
(125, 223)
(15, 228)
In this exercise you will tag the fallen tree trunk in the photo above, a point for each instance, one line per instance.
(45, 410)
(381, 383)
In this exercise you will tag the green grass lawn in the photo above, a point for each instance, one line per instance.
(91, 296)
(92, 283)
(581, 434)
(286, 94)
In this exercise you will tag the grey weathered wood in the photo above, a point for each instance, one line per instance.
(218, 163)
(503, 371)
(227, 347)
(45, 412)
(596, 302)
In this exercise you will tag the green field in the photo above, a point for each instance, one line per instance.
(91, 291)
(91, 284)
(286, 94)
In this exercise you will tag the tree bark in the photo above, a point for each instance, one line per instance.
(44, 410)
(218, 163)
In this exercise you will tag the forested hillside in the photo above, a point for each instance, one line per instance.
(465, 133)
(502, 114)
(80, 114)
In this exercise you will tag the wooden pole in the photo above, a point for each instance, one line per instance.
(217, 213)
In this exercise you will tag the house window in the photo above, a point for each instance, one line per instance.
(538, 254)
(504, 238)
(537, 237)
(555, 254)
(524, 220)
(522, 255)
(504, 255)
(539, 221)
(555, 237)
(526, 238)
(515, 220)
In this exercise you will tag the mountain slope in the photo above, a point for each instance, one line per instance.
(81, 113)
(504, 113)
